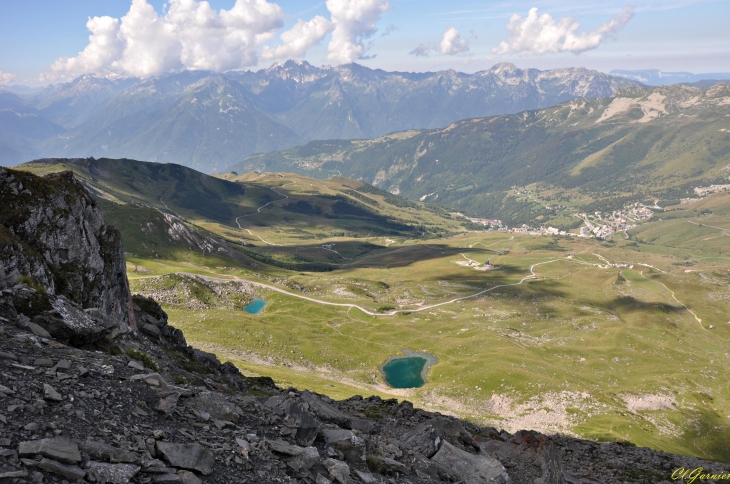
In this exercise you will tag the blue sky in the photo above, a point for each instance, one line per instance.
(672, 35)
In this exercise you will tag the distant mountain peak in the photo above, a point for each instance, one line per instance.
(503, 67)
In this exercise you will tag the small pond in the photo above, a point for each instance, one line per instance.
(256, 307)
(407, 371)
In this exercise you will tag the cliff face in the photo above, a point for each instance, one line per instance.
(52, 231)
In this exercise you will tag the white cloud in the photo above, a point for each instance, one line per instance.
(452, 43)
(542, 34)
(6, 77)
(299, 38)
(421, 51)
(354, 21)
(190, 35)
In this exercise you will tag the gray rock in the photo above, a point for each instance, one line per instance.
(60, 449)
(304, 461)
(216, 405)
(168, 403)
(65, 321)
(320, 479)
(9, 474)
(105, 473)
(50, 393)
(363, 425)
(352, 446)
(284, 448)
(167, 477)
(388, 466)
(187, 456)
(187, 477)
(426, 437)
(243, 444)
(308, 426)
(338, 470)
(470, 468)
(324, 411)
(66, 470)
(529, 448)
(152, 379)
(137, 365)
(66, 228)
(366, 477)
(38, 331)
(105, 452)
(150, 329)
(31, 427)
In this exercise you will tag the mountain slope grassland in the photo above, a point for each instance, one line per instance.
(656, 143)
(584, 347)
(564, 336)
(262, 217)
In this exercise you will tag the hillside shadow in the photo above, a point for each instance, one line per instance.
(367, 255)
(629, 304)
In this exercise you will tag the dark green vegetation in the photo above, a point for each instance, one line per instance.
(209, 121)
(172, 212)
(540, 166)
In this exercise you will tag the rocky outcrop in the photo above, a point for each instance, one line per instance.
(53, 234)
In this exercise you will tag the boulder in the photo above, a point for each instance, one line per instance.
(352, 446)
(187, 456)
(168, 403)
(426, 437)
(284, 448)
(50, 393)
(216, 405)
(470, 468)
(104, 452)
(338, 470)
(324, 411)
(58, 449)
(386, 465)
(529, 448)
(187, 477)
(66, 322)
(305, 460)
(65, 470)
(104, 473)
(308, 426)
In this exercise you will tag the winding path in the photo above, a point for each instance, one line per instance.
(258, 211)
(397, 311)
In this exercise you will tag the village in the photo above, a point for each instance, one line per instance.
(597, 225)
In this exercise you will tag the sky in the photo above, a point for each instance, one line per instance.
(48, 41)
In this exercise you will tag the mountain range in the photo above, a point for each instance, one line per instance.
(656, 142)
(655, 77)
(209, 121)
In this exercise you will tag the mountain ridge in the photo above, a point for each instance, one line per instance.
(280, 107)
(640, 142)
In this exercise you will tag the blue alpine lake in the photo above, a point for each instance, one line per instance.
(407, 371)
(256, 307)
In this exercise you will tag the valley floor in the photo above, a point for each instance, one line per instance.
(624, 340)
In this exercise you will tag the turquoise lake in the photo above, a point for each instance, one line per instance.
(255, 307)
(407, 371)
